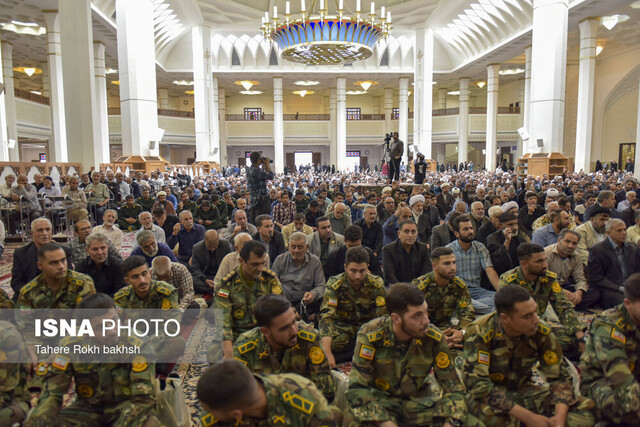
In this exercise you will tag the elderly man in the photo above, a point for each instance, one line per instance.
(149, 248)
(611, 262)
(548, 234)
(301, 276)
(339, 220)
(82, 229)
(270, 238)
(161, 200)
(630, 196)
(426, 219)
(25, 196)
(298, 224)
(478, 218)
(490, 227)
(231, 260)
(592, 232)
(390, 227)
(176, 274)
(405, 259)
(25, 259)
(186, 234)
(503, 244)
(372, 234)
(104, 269)
(239, 225)
(324, 241)
(563, 260)
(283, 212)
(9, 183)
(109, 229)
(97, 197)
(128, 214)
(146, 220)
(531, 212)
(605, 199)
(206, 259)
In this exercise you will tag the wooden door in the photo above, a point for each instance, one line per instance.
(290, 160)
(242, 161)
(363, 162)
(316, 158)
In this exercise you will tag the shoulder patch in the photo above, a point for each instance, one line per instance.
(135, 341)
(122, 292)
(488, 336)
(240, 360)
(620, 323)
(306, 335)
(163, 288)
(298, 402)
(375, 336)
(511, 278)
(61, 362)
(26, 288)
(551, 274)
(618, 335)
(247, 347)
(336, 285)
(434, 333)
(367, 352)
(458, 281)
(543, 329)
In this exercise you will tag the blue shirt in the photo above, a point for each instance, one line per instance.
(163, 249)
(545, 236)
(186, 239)
(390, 229)
(471, 263)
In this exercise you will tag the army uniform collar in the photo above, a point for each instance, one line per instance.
(430, 278)
(625, 322)
(521, 279)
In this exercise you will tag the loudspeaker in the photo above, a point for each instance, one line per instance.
(540, 143)
(215, 151)
(153, 145)
(524, 133)
(11, 144)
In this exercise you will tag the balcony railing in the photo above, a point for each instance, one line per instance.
(25, 94)
(115, 111)
(501, 110)
(446, 112)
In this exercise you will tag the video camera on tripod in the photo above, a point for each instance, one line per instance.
(385, 144)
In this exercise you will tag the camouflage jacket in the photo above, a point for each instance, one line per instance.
(236, 298)
(546, 290)
(292, 401)
(613, 353)
(497, 364)
(385, 369)
(129, 212)
(147, 205)
(161, 296)
(97, 385)
(344, 306)
(13, 376)
(306, 358)
(5, 301)
(444, 302)
(36, 294)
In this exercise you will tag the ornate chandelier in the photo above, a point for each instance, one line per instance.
(317, 38)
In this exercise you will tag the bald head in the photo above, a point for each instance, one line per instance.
(240, 240)
(211, 240)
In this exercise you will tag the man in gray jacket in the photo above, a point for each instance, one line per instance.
(324, 241)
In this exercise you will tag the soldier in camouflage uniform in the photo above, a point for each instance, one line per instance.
(117, 394)
(610, 365)
(390, 381)
(130, 210)
(143, 291)
(231, 395)
(501, 350)
(240, 290)
(186, 204)
(350, 300)
(146, 201)
(5, 301)
(280, 344)
(544, 288)
(57, 286)
(14, 394)
(448, 299)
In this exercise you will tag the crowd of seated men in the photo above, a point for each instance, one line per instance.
(334, 272)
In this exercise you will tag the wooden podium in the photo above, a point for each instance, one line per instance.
(146, 164)
(539, 164)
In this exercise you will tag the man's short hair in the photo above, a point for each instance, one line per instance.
(352, 233)
(322, 219)
(132, 263)
(268, 307)
(48, 247)
(255, 156)
(401, 295)
(604, 195)
(161, 265)
(112, 211)
(141, 214)
(530, 194)
(144, 235)
(525, 250)
(96, 237)
(252, 247)
(458, 220)
(299, 216)
(612, 222)
(632, 287)
(493, 211)
(185, 213)
(636, 214)
(298, 236)
(314, 204)
(356, 255)
(99, 304)
(236, 212)
(227, 385)
(75, 226)
(262, 218)
(508, 296)
(405, 223)
(566, 231)
(368, 206)
(589, 196)
(441, 251)
(157, 211)
(506, 217)
(299, 192)
(236, 239)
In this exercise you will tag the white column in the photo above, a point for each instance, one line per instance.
(341, 119)
(333, 123)
(137, 71)
(548, 74)
(527, 145)
(521, 97)
(463, 121)
(4, 151)
(11, 123)
(492, 116)
(388, 108)
(44, 65)
(205, 97)
(403, 116)
(222, 119)
(636, 161)
(278, 125)
(586, 89)
(442, 98)
(423, 93)
(163, 99)
(100, 109)
(58, 142)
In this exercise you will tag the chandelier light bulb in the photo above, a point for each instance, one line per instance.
(481, 84)
(365, 85)
(246, 85)
(29, 71)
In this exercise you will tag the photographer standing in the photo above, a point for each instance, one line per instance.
(395, 153)
(257, 184)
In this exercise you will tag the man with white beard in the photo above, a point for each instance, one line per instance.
(149, 248)
(146, 220)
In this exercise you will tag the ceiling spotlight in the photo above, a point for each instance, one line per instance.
(599, 49)
(116, 82)
(356, 92)
(454, 92)
(302, 93)
(409, 93)
(481, 84)
(112, 71)
(306, 83)
(189, 92)
(183, 82)
(250, 92)
(36, 92)
(611, 21)
(246, 85)
(635, 5)
(29, 71)
(510, 71)
(365, 85)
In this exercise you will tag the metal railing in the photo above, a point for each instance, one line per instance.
(25, 94)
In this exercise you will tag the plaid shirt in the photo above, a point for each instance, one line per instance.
(471, 263)
(257, 183)
(183, 282)
(284, 215)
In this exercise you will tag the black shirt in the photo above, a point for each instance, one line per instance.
(168, 225)
(108, 278)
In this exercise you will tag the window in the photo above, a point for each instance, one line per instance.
(253, 114)
(395, 114)
(353, 114)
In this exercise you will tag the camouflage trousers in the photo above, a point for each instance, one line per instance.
(407, 412)
(536, 399)
(139, 413)
(608, 403)
(569, 343)
(13, 413)
(346, 334)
